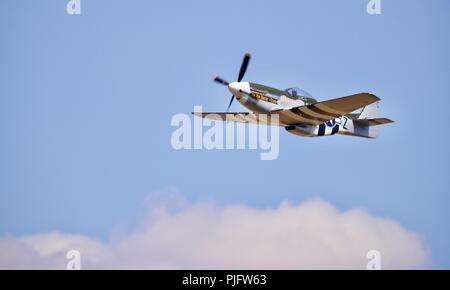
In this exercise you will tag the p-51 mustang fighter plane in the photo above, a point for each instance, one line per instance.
(298, 112)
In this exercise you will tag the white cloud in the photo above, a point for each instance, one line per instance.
(312, 235)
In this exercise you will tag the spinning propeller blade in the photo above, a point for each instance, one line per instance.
(220, 81)
(244, 66)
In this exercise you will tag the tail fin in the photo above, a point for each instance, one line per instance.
(370, 111)
(369, 116)
(365, 125)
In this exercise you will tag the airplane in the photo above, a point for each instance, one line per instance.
(298, 112)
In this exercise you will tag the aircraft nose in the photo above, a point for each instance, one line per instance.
(236, 88)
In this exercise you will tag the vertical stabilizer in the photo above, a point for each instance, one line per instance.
(370, 111)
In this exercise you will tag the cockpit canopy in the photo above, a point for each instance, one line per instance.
(299, 94)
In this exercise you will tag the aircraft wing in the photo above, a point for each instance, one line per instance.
(321, 112)
(244, 117)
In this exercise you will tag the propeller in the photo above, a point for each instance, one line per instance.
(244, 66)
(231, 101)
(242, 71)
(221, 81)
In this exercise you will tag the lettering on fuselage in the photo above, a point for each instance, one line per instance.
(334, 124)
(262, 97)
(341, 121)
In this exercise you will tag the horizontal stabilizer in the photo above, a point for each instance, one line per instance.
(373, 122)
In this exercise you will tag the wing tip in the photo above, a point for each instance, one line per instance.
(375, 97)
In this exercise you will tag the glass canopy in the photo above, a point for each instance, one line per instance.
(297, 93)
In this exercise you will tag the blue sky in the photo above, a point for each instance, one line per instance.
(86, 103)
